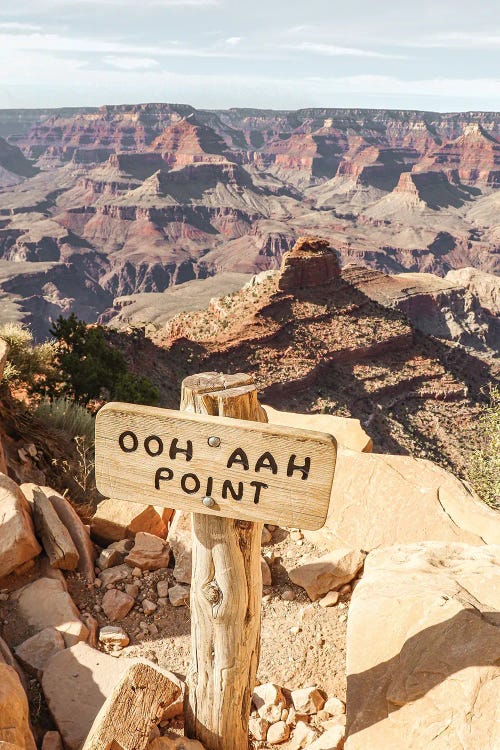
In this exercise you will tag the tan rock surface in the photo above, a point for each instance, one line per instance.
(327, 573)
(485, 286)
(35, 653)
(423, 649)
(180, 743)
(14, 716)
(45, 603)
(77, 682)
(118, 519)
(380, 500)
(18, 543)
(347, 432)
(52, 741)
(332, 739)
(180, 541)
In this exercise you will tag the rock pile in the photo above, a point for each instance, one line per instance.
(428, 610)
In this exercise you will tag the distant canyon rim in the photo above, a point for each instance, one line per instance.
(106, 211)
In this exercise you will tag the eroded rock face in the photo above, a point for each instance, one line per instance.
(379, 500)
(18, 543)
(485, 286)
(14, 712)
(310, 263)
(423, 649)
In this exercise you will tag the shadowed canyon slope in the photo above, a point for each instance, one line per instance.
(129, 200)
(318, 338)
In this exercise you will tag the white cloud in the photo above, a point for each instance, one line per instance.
(233, 41)
(131, 63)
(74, 83)
(15, 26)
(457, 40)
(333, 50)
(58, 43)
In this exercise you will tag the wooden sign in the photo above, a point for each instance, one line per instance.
(216, 465)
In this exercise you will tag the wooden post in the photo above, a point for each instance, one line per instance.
(226, 591)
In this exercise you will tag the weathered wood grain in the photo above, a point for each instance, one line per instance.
(136, 704)
(285, 499)
(226, 590)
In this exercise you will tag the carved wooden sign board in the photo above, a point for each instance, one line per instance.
(216, 465)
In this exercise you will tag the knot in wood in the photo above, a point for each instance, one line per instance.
(245, 525)
(212, 592)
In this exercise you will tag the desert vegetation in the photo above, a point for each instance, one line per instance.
(484, 469)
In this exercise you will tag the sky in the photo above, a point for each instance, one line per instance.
(439, 55)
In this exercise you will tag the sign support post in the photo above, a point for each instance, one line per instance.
(218, 459)
(226, 590)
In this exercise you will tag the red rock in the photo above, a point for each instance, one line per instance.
(117, 604)
(148, 553)
(310, 263)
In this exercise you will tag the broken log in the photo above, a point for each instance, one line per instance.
(137, 704)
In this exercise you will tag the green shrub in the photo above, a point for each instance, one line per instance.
(68, 416)
(26, 361)
(92, 369)
(484, 467)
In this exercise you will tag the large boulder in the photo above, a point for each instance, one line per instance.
(18, 543)
(14, 712)
(119, 519)
(423, 649)
(347, 432)
(380, 500)
(76, 683)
